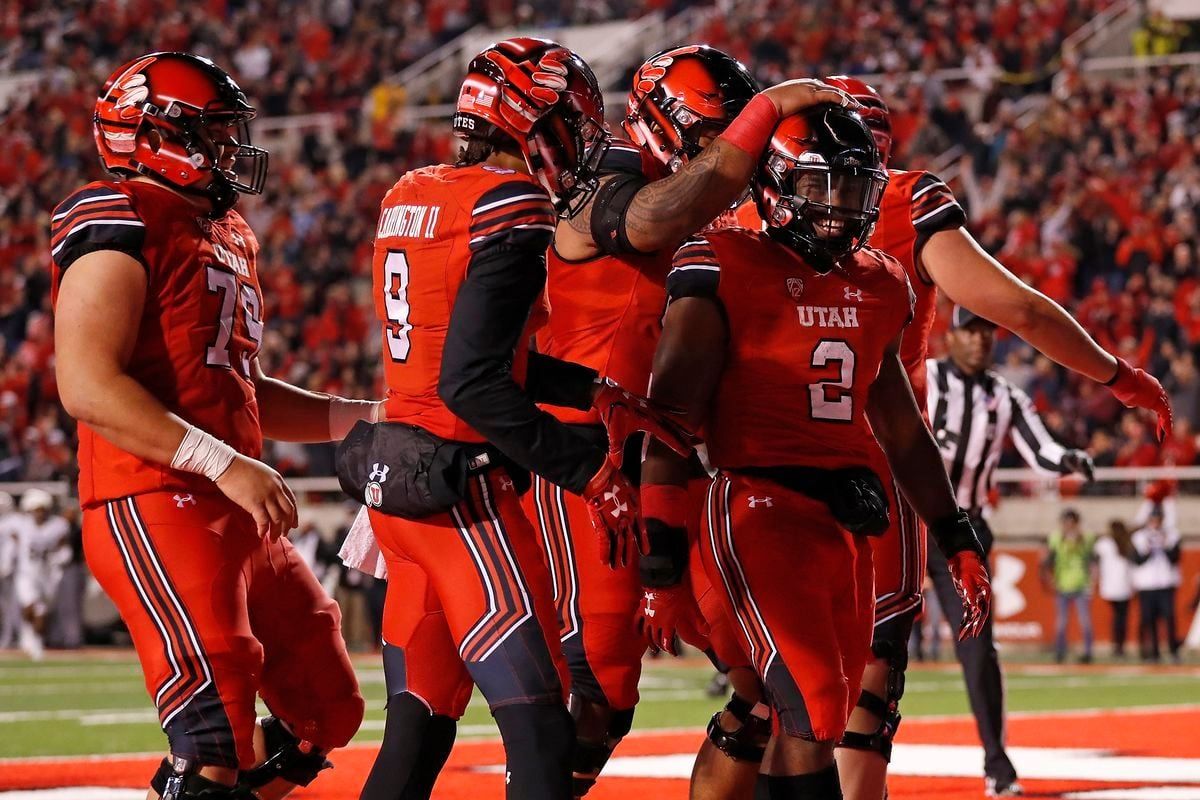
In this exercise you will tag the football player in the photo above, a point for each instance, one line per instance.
(783, 347)
(459, 265)
(157, 331)
(606, 300)
(923, 226)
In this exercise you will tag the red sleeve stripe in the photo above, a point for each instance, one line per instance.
(59, 230)
(507, 200)
(498, 229)
(523, 212)
(928, 215)
(938, 185)
(89, 200)
(694, 252)
(80, 226)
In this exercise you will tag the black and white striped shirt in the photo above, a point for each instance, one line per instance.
(971, 416)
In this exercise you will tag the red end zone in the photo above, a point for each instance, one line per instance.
(1145, 754)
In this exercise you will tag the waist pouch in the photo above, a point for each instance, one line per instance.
(855, 495)
(405, 471)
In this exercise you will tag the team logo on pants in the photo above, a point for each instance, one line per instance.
(373, 494)
(755, 502)
(183, 499)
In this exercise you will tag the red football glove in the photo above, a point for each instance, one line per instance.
(613, 505)
(668, 614)
(970, 577)
(623, 413)
(538, 87)
(1136, 388)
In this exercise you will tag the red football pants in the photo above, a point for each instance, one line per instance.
(469, 600)
(799, 589)
(219, 615)
(597, 606)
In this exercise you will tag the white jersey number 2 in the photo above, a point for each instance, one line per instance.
(831, 399)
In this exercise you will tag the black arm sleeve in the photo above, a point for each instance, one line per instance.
(608, 213)
(476, 382)
(556, 382)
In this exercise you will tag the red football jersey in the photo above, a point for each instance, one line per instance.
(915, 206)
(432, 222)
(804, 347)
(605, 311)
(199, 332)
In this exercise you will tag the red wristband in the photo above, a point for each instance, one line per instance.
(665, 503)
(751, 130)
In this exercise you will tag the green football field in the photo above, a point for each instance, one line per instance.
(71, 705)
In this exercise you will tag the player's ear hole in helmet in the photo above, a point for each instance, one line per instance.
(819, 184)
(682, 97)
(542, 100)
(183, 121)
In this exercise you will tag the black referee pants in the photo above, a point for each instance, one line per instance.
(980, 664)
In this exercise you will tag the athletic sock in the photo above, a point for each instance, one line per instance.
(823, 785)
(538, 741)
(398, 766)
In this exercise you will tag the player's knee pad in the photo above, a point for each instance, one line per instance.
(749, 740)
(177, 779)
(887, 708)
(598, 730)
(288, 757)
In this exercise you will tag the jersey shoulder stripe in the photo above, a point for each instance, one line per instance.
(97, 217)
(695, 270)
(934, 206)
(622, 156)
(514, 212)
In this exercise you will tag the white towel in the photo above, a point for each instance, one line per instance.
(360, 551)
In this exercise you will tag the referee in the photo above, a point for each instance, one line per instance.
(972, 411)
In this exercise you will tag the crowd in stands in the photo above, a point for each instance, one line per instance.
(1079, 203)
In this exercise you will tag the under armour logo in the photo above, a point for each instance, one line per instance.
(379, 475)
(755, 502)
(182, 499)
(853, 294)
(506, 484)
(610, 496)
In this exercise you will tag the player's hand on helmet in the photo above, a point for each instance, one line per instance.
(1136, 388)
(1079, 462)
(262, 493)
(793, 96)
(970, 576)
(668, 614)
(613, 506)
(624, 412)
(539, 88)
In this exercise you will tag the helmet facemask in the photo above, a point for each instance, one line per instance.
(565, 151)
(216, 140)
(820, 184)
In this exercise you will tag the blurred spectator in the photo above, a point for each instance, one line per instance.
(10, 610)
(1069, 569)
(1115, 585)
(1156, 552)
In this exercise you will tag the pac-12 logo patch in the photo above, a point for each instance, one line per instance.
(795, 287)
(373, 494)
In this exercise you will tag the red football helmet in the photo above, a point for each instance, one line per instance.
(545, 98)
(202, 117)
(874, 111)
(819, 184)
(682, 94)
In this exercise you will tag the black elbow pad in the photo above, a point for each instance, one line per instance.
(608, 213)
